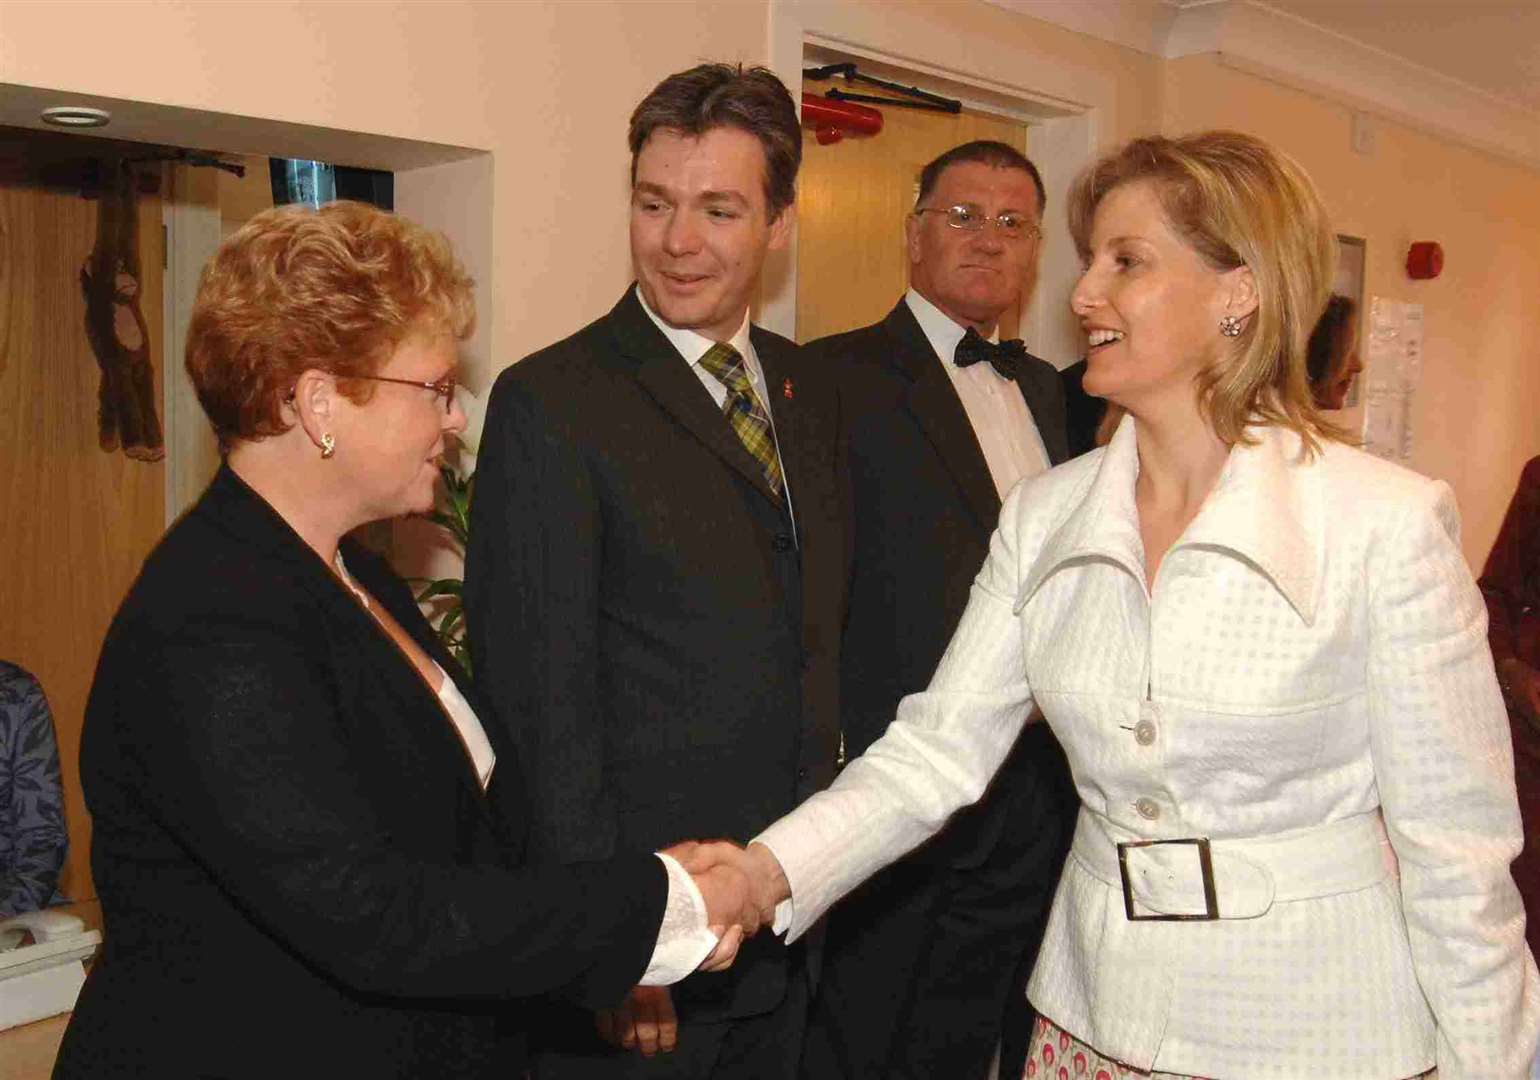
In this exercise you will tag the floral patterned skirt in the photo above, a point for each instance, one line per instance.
(1055, 1054)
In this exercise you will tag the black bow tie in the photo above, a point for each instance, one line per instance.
(1005, 357)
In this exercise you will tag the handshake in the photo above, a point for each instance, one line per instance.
(741, 888)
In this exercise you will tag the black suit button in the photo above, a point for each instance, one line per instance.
(782, 542)
(802, 773)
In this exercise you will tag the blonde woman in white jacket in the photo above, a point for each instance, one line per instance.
(1267, 662)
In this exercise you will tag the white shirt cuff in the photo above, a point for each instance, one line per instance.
(684, 939)
(784, 914)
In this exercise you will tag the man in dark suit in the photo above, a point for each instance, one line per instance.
(924, 967)
(1084, 413)
(656, 564)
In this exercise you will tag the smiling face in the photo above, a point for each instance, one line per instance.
(700, 227)
(1151, 305)
(391, 445)
(974, 277)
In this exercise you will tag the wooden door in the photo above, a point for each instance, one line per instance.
(852, 199)
(77, 521)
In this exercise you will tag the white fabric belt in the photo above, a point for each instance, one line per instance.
(1165, 879)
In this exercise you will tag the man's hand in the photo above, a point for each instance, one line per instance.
(757, 865)
(645, 1021)
(1523, 685)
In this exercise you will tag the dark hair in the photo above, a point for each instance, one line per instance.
(1326, 338)
(986, 152)
(711, 96)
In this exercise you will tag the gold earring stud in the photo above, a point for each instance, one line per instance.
(328, 444)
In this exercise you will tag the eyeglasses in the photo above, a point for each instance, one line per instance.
(972, 219)
(444, 388)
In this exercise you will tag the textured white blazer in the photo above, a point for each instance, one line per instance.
(1308, 677)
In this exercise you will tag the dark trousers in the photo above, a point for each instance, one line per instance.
(762, 1047)
(925, 966)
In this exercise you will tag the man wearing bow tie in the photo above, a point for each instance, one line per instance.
(925, 967)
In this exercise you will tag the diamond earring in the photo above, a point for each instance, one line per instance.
(1230, 326)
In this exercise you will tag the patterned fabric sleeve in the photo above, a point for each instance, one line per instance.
(33, 840)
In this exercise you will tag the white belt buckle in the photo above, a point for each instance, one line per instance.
(1205, 868)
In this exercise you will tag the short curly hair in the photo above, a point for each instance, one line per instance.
(295, 289)
(1238, 202)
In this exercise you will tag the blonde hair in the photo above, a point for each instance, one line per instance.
(336, 289)
(1238, 202)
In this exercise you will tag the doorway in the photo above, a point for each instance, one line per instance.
(853, 197)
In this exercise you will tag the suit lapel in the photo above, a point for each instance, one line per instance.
(938, 410)
(672, 383)
(248, 517)
(1047, 408)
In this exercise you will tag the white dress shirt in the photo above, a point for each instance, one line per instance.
(1013, 448)
(692, 346)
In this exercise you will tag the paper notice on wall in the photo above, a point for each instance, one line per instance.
(1392, 376)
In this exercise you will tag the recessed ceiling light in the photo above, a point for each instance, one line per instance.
(77, 116)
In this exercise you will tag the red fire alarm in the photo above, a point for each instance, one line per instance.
(1424, 261)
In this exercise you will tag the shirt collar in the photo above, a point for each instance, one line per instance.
(1266, 508)
(941, 330)
(693, 346)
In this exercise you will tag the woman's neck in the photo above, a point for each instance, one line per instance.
(293, 487)
(1180, 458)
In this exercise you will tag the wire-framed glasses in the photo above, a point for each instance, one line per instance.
(444, 388)
(971, 218)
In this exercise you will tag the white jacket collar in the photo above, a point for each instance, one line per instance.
(1266, 508)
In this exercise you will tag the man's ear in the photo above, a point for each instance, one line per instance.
(315, 403)
(1241, 296)
(912, 238)
(780, 228)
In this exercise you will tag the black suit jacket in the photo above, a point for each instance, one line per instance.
(922, 508)
(299, 873)
(654, 634)
(1085, 412)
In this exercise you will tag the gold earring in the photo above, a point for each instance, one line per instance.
(328, 444)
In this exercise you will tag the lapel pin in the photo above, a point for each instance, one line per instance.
(786, 390)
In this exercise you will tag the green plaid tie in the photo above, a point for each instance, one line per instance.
(743, 410)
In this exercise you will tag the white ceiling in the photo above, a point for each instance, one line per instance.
(1492, 46)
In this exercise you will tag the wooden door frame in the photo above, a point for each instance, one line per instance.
(1063, 140)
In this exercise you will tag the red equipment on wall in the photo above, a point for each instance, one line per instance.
(832, 120)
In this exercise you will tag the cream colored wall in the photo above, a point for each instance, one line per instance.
(1476, 416)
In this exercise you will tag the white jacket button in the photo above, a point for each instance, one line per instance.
(1148, 808)
(1144, 732)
